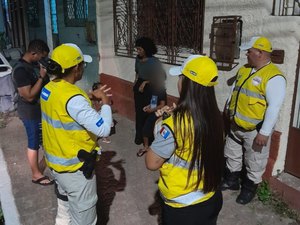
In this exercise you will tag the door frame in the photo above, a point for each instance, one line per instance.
(292, 164)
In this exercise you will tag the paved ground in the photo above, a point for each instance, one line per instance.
(126, 189)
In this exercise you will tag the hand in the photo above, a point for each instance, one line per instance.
(147, 109)
(101, 94)
(43, 71)
(167, 109)
(259, 142)
(142, 86)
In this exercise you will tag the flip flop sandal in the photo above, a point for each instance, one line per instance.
(39, 181)
(141, 152)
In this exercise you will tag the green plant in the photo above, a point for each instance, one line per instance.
(267, 197)
(281, 208)
(264, 193)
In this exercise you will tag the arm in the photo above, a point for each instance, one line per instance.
(28, 92)
(275, 93)
(161, 149)
(85, 115)
(142, 86)
(80, 110)
(153, 161)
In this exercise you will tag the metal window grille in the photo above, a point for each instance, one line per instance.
(176, 26)
(33, 13)
(286, 8)
(17, 18)
(225, 39)
(75, 12)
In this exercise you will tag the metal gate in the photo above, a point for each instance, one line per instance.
(17, 23)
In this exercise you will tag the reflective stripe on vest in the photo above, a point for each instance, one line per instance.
(61, 161)
(248, 101)
(59, 124)
(173, 183)
(247, 119)
(179, 162)
(186, 199)
(63, 136)
(189, 198)
(249, 93)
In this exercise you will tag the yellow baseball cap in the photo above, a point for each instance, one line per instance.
(198, 68)
(68, 55)
(261, 43)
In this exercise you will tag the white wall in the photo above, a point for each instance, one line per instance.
(284, 33)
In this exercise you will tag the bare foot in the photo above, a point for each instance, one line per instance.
(106, 140)
(42, 165)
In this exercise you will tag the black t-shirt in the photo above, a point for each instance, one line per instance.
(25, 74)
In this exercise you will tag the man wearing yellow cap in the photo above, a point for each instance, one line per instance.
(256, 99)
(70, 125)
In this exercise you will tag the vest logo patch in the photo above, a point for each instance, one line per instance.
(100, 122)
(164, 132)
(45, 94)
(256, 81)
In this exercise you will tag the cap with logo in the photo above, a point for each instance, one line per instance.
(259, 42)
(198, 68)
(68, 55)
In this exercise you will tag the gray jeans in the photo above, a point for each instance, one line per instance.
(82, 198)
(255, 159)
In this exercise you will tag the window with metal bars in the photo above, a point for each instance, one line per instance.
(286, 8)
(225, 39)
(176, 26)
(75, 13)
(33, 13)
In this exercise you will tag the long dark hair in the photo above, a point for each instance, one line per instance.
(199, 105)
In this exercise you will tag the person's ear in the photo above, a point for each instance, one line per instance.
(77, 67)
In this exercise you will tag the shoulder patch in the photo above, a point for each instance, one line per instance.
(100, 122)
(45, 94)
(164, 132)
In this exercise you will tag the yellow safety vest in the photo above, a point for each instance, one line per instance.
(174, 175)
(63, 137)
(248, 101)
